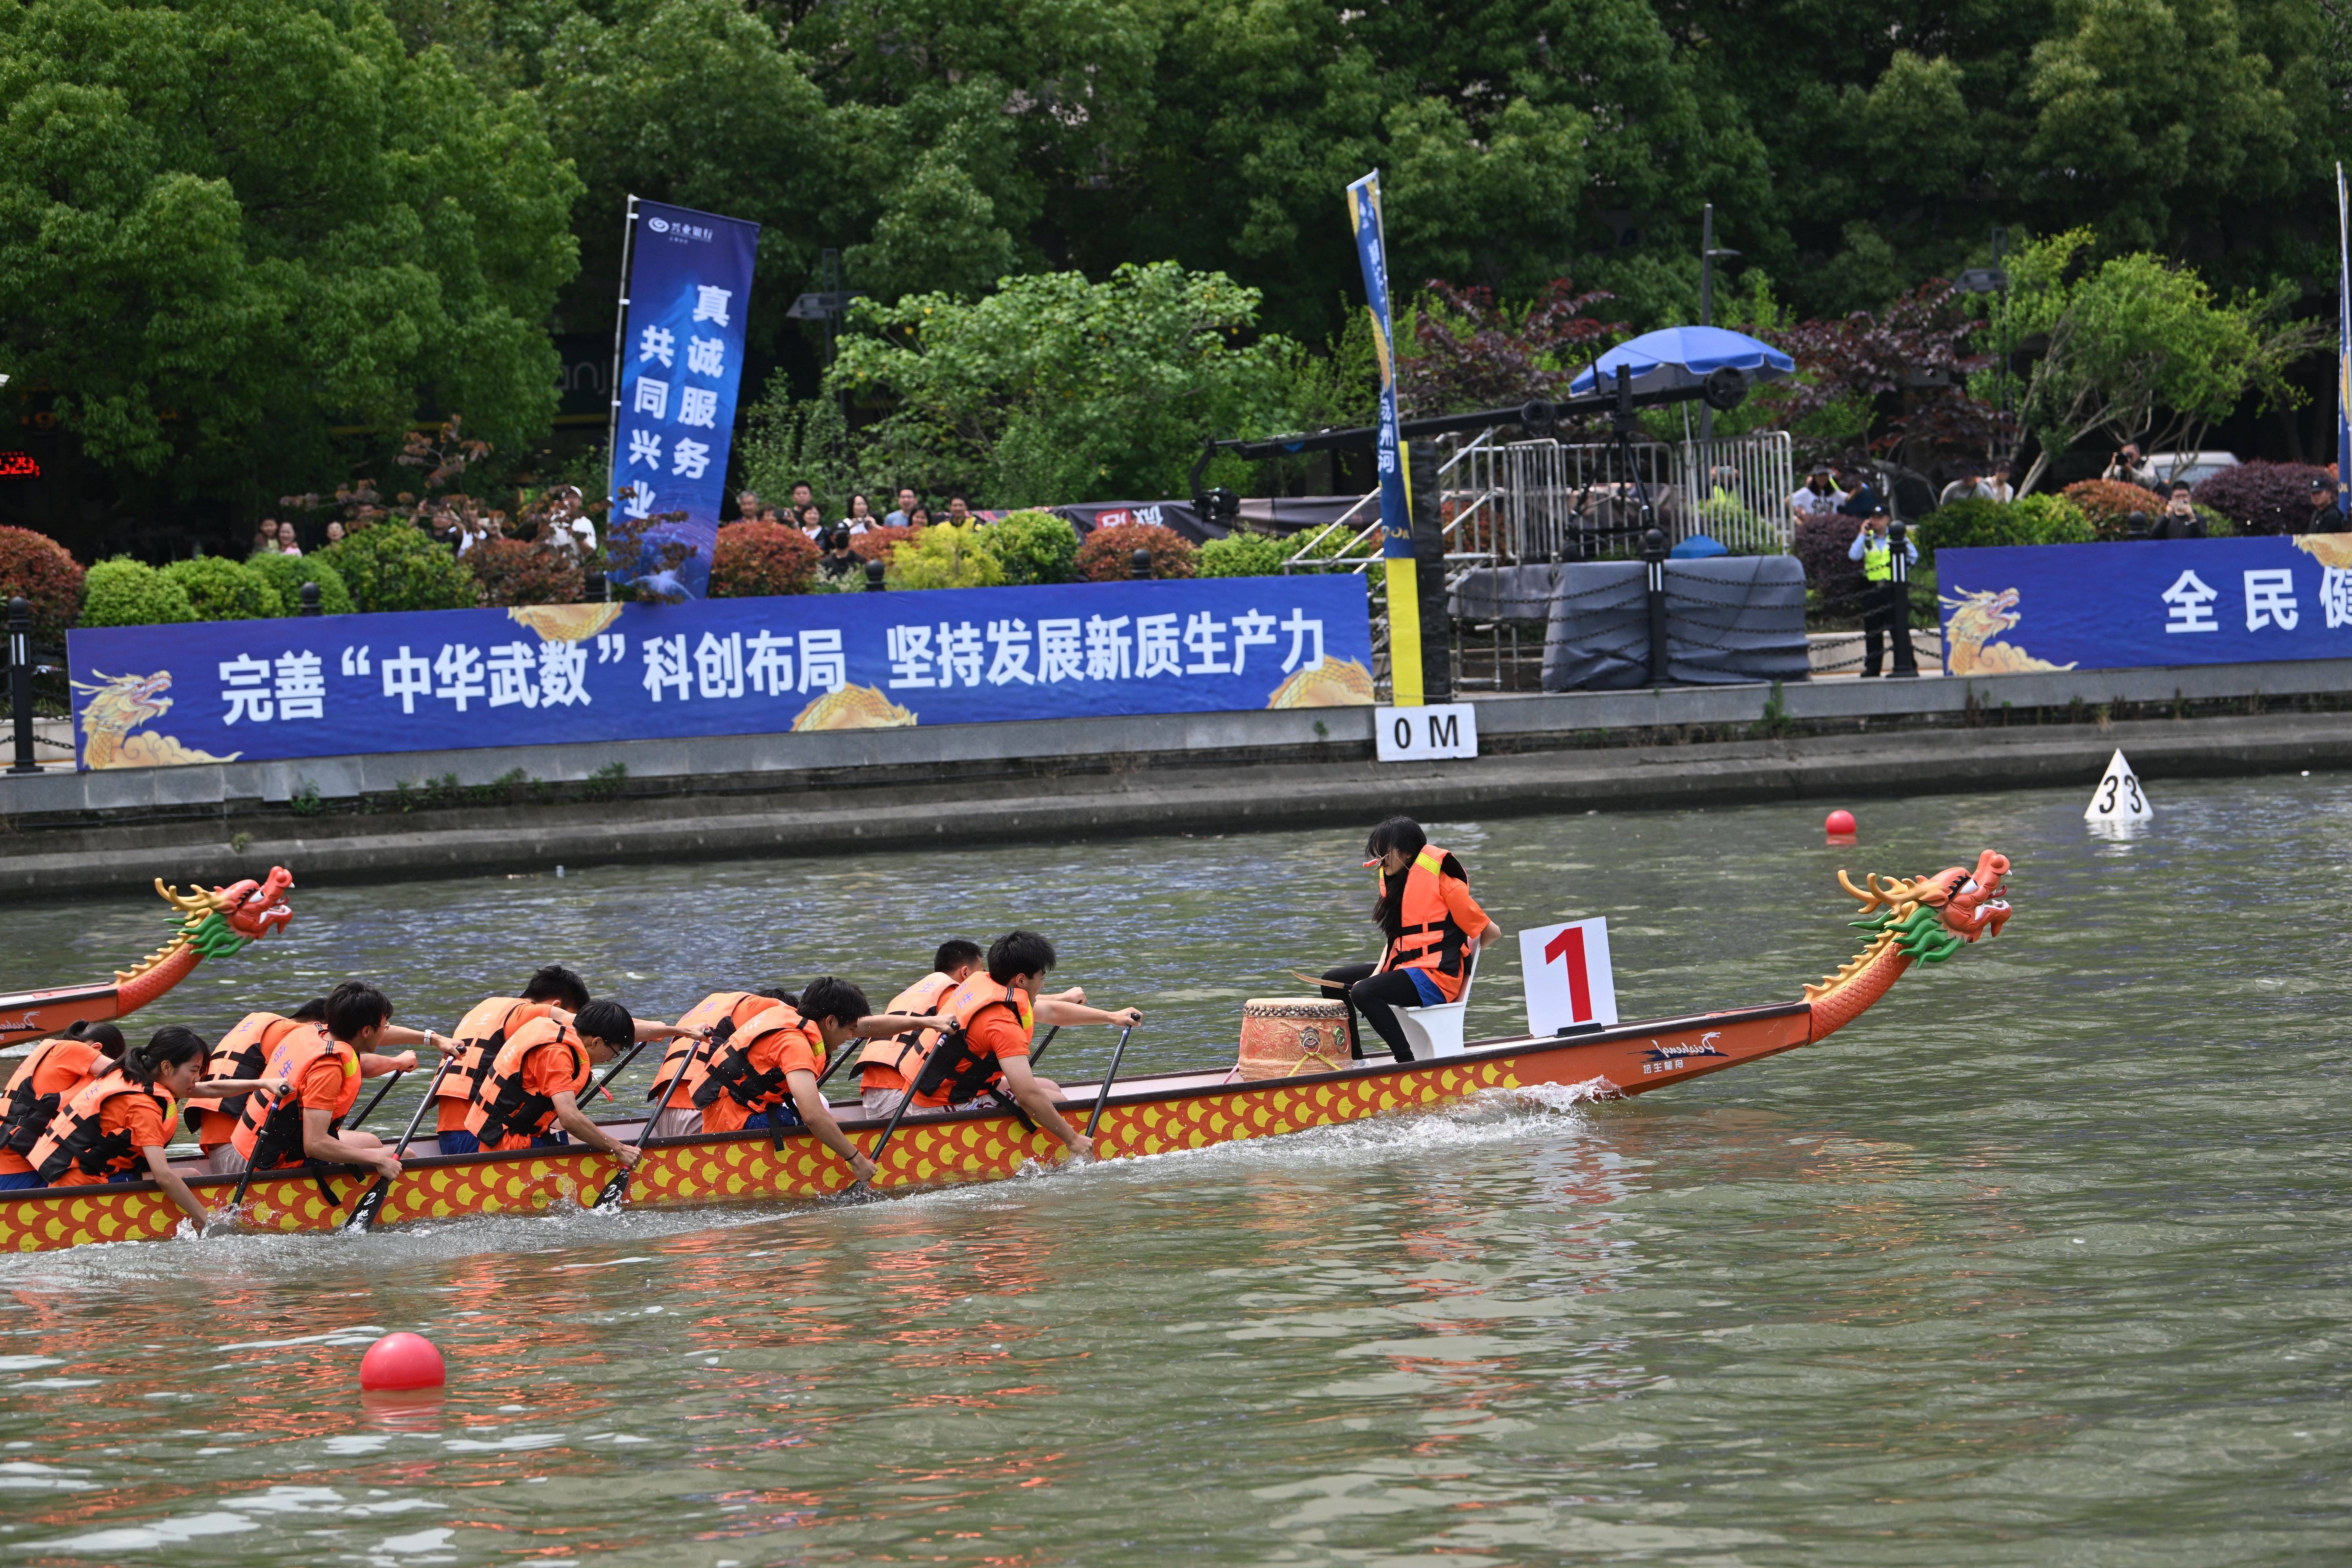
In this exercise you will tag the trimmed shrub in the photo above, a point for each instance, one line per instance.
(1978, 524)
(396, 566)
(1104, 557)
(46, 575)
(880, 542)
(1244, 555)
(1035, 546)
(127, 592)
(755, 558)
(225, 590)
(286, 574)
(1836, 583)
(947, 555)
(2262, 498)
(2108, 505)
(518, 571)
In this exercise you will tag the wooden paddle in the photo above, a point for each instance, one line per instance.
(1103, 1095)
(371, 1201)
(618, 1187)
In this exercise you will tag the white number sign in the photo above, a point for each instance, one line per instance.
(2118, 797)
(1568, 981)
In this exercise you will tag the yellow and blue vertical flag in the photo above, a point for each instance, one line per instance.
(1396, 481)
(2343, 348)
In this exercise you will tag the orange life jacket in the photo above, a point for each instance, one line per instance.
(507, 1107)
(275, 1130)
(1429, 937)
(28, 1110)
(732, 1073)
(76, 1135)
(480, 1035)
(905, 1054)
(955, 1069)
(242, 1052)
(723, 1013)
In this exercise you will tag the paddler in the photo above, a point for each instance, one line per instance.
(531, 1097)
(886, 1066)
(245, 1052)
(49, 1075)
(1432, 924)
(553, 992)
(995, 1014)
(121, 1118)
(715, 1018)
(314, 1074)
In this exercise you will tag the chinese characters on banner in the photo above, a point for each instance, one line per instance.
(688, 289)
(2171, 602)
(343, 685)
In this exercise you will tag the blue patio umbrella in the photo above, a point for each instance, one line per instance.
(1673, 358)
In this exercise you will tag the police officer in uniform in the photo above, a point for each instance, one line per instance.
(1870, 548)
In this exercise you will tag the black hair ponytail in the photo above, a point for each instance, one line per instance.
(170, 1046)
(105, 1037)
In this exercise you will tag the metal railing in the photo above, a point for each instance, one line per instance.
(1523, 502)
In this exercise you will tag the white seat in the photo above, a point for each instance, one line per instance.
(1433, 1032)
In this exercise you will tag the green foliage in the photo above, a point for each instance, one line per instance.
(225, 590)
(1978, 524)
(947, 555)
(1034, 547)
(1244, 555)
(232, 223)
(126, 592)
(286, 574)
(39, 569)
(1055, 389)
(787, 440)
(393, 566)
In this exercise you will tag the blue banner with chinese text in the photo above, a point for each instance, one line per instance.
(2150, 602)
(689, 291)
(430, 680)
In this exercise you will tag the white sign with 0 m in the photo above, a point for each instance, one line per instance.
(1423, 735)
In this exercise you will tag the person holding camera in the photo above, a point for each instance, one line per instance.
(1873, 549)
(839, 565)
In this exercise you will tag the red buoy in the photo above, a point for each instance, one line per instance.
(402, 1361)
(1840, 827)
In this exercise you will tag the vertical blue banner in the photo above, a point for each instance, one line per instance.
(1396, 482)
(688, 292)
(2343, 348)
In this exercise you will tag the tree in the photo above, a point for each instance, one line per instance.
(2134, 347)
(1917, 354)
(1470, 354)
(229, 226)
(1054, 389)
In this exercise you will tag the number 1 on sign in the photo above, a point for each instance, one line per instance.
(1568, 947)
(1565, 969)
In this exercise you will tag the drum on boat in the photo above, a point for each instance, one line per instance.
(1285, 1036)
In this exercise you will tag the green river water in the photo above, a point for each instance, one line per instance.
(2043, 1261)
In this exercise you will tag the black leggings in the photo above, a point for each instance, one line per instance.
(1377, 997)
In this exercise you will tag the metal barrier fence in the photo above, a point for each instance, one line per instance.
(1524, 502)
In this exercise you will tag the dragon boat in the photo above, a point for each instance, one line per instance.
(216, 924)
(1921, 921)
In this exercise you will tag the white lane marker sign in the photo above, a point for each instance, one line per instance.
(2118, 797)
(1565, 969)
(1423, 735)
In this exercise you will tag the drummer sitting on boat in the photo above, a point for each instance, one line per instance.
(1432, 924)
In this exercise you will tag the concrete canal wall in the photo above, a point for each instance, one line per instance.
(495, 809)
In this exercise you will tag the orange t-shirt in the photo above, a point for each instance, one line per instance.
(998, 1029)
(60, 1069)
(796, 1048)
(558, 1066)
(1468, 915)
(135, 1113)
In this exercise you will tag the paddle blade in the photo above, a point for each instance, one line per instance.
(614, 1191)
(371, 1204)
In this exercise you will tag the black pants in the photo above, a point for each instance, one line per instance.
(1377, 997)
(1877, 621)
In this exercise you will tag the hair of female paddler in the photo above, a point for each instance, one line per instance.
(1397, 832)
(314, 1011)
(557, 985)
(1019, 953)
(828, 996)
(605, 1020)
(172, 1046)
(105, 1037)
(1404, 835)
(953, 954)
(354, 1008)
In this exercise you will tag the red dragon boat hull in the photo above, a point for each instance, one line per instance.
(1149, 1116)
